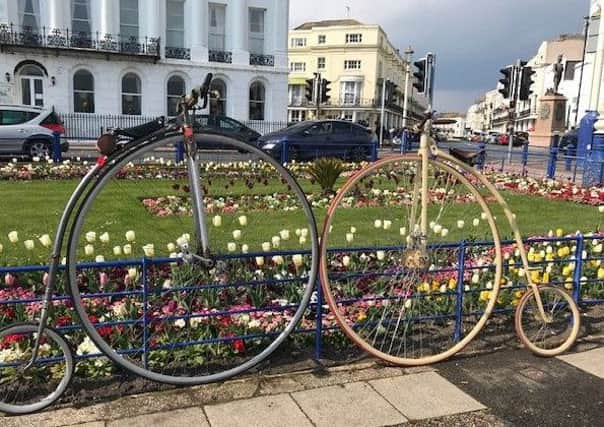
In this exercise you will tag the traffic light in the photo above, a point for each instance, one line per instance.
(325, 89)
(420, 75)
(526, 81)
(506, 81)
(310, 90)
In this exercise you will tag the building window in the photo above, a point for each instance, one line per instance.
(592, 35)
(257, 99)
(322, 39)
(29, 14)
(350, 93)
(256, 30)
(321, 63)
(176, 90)
(354, 38)
(297, 67)
(298, 42)
(83, 92)
(129, 18)
(569, 69)
(131, 94)
(296, 94)
(175, 23)
(32, 86)
(216, 37)
(218, 98)
(352, 64)
(80, 17)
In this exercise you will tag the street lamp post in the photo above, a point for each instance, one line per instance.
(408, 56)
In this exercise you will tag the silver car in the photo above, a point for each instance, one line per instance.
(29, 131)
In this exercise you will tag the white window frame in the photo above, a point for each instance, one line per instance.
(256, 38)
(354, 38)
(175, 35)
(350, 93)
(352, 64)
(321, 63)
(322, 39)
(296, 94)
(130, 26)
(87, 91)
(297, 42)
(84, 22)
(34, 14)
(297, 67)
(217, 33)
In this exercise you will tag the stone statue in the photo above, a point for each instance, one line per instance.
(558, 71)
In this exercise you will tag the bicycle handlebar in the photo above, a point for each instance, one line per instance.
(200, 92)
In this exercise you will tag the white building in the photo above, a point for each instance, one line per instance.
(137, 57)
(456, 129)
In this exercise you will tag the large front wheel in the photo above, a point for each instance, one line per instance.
(403, 294)
(557, 331)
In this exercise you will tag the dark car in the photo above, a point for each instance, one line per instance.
(323, 138)
(226, 126)
(569, 140)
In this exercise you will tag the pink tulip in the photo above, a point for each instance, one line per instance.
(103, 280)
(10, 280)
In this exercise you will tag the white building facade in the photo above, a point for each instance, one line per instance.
(137, 57)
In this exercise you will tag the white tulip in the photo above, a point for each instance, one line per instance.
(237, 234)
(91, 237)
(346, 261)
(387, 224)
(231, 246)
(149, 250)
(408, 303)
(298, 232)
(381, 255)
(1, 248)
(476, 222)
(403, 231)
(284, 234)
(245, 248)
(601, 209)
(13, 237)
(377, 223)
(304, 232)
(438, 228)
(104, 237)
(276, 241)
(89, 250)
(259, 261)
(461, 224)
(99, 258)
(217, 221)
(127, 249)
(278, 259)
(432, 225)
(171, 247)
(132, 273)
(353, 230)
(243, 220)
(483, 216)
(297, 260)
(475, 278)
(302, 240)
(45, 240)
(349, 237)
(266, 246)
(167, 284)
(130, 236)
(29, 245)
(444, 232)
(182, 241)
(117, 250)
(180, 323)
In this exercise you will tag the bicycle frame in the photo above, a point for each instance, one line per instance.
(429, 148)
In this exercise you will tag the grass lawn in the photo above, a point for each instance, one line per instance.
(33, 209)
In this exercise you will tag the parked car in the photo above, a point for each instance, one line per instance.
(569, 140)
(323, 138)
(227, 126)
(492, 137)
(26, 130)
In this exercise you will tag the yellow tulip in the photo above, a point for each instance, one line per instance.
(566, 271)
(452, 283)
(545, 278)
(485, 295)
(600, 273)
(559, 232)
(569, 284)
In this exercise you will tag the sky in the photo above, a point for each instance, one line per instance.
(472, 39)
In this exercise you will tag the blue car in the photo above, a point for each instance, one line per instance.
(322, 138)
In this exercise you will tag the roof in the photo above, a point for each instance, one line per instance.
(328, 23)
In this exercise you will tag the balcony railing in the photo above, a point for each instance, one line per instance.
(263, 60)
(178, 52)
(64, 39)
(220, 56)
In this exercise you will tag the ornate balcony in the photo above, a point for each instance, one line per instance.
(178, 53)
(63, 40)
(220, 56)
(263, 60)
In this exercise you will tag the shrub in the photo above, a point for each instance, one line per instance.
(325, 172)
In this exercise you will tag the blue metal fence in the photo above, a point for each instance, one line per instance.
(580, 285)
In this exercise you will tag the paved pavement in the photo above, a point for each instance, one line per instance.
(505, 388)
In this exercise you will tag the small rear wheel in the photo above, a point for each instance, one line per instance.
(556, 333)
(28, 390)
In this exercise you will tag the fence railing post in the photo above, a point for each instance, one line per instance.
(374, 151)
(57, 156)
(461, 261)
(551, 166)
(578, 273)
(145, 317)
(319, 321)
(180, 152)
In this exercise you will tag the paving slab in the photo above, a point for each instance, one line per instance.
(182, 417)
(425, 395)
(348, 405)
(591, 361)
(267, 411)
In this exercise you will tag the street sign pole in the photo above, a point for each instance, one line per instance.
(382, 111)
(408, 57)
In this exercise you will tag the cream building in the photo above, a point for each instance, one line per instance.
(355, 58)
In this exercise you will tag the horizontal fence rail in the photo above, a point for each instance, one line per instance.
(584, 281)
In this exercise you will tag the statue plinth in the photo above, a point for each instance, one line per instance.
(551, 119)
